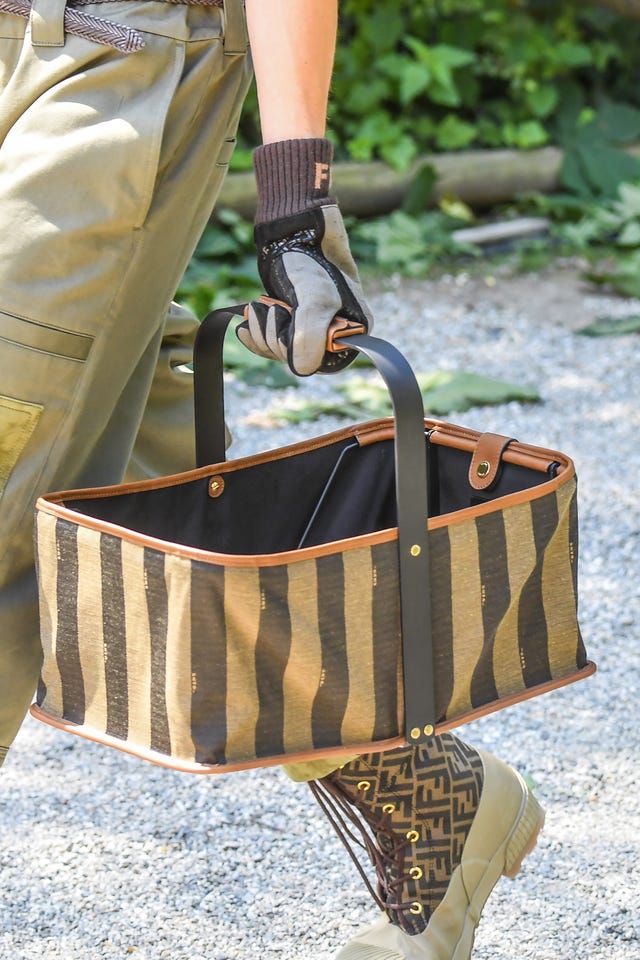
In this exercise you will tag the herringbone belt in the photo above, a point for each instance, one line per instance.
(81, 24)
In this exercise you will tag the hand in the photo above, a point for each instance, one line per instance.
(304, 260)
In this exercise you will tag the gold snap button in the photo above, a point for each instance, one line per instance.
(216, 486)
(428, 730)
(415, 550)
(415, 733)
(483, 468)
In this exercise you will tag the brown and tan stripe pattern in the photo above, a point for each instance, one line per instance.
(214, 665)
(221, 665)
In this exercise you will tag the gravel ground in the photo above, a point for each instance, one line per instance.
(104, 856)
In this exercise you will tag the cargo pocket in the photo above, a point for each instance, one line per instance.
(18, 420)
(41, 368)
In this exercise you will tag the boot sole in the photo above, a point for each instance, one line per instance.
(524, 837)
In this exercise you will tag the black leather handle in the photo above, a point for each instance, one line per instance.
(411, 493)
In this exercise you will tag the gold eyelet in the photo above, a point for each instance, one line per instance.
(216, 486)
(413, 836)
(416, 873)
(364, 785)
(415, 907)
(389, 808)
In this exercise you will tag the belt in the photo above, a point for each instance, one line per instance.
(80, 24)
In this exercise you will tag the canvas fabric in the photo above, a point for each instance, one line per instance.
(200, 658)
(110, 165)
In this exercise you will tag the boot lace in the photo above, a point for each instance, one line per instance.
(385, 848)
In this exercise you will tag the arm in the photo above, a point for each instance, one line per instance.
(293, 46)
(303, 251)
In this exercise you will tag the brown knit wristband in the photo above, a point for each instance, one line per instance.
(292, 176)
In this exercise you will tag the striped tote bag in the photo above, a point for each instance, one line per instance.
(297, 603)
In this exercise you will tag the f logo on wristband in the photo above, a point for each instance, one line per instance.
(322, 176)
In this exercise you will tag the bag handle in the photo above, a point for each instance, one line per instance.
(411, 487)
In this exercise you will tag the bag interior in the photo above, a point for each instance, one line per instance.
(329, 493)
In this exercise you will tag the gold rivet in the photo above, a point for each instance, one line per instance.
(415, 733)
(389, 808)
(428, 730)
(364, 785)
(483, 468)
(216, 486)
(413, 836)
(415, 907)
(415, 550)
(416, 873)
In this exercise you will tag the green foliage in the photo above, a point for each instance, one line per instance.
(410, 244)
(594, 165)
(605, 230)
(612, 326)
(443, 391)
(223, 269)
(451, 74)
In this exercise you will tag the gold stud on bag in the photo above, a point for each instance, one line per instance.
(293, 604)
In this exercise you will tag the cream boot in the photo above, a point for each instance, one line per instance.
(441, 823)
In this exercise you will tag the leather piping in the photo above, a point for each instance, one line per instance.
(535, 458)
(360, 748)
(185, 766)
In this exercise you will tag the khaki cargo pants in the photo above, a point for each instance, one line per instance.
(110, 164)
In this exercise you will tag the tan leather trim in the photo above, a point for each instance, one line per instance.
(359, 748)
(225, 466)
(446, 434)
(486, 460)
(375, 436)
(186, 767)
(524, 454)
(306, 553)
(224, 559)
(587, 671)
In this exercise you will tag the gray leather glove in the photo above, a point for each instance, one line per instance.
(304, 260)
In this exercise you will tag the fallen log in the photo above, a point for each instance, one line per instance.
(481, 178)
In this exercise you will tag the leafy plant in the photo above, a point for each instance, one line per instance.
(410, 244)
(604, 230)
(594, 165)
(443, 391)
(612, 326)
(223, 268)
(450, 74)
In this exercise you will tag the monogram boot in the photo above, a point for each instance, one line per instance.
(441, 823)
